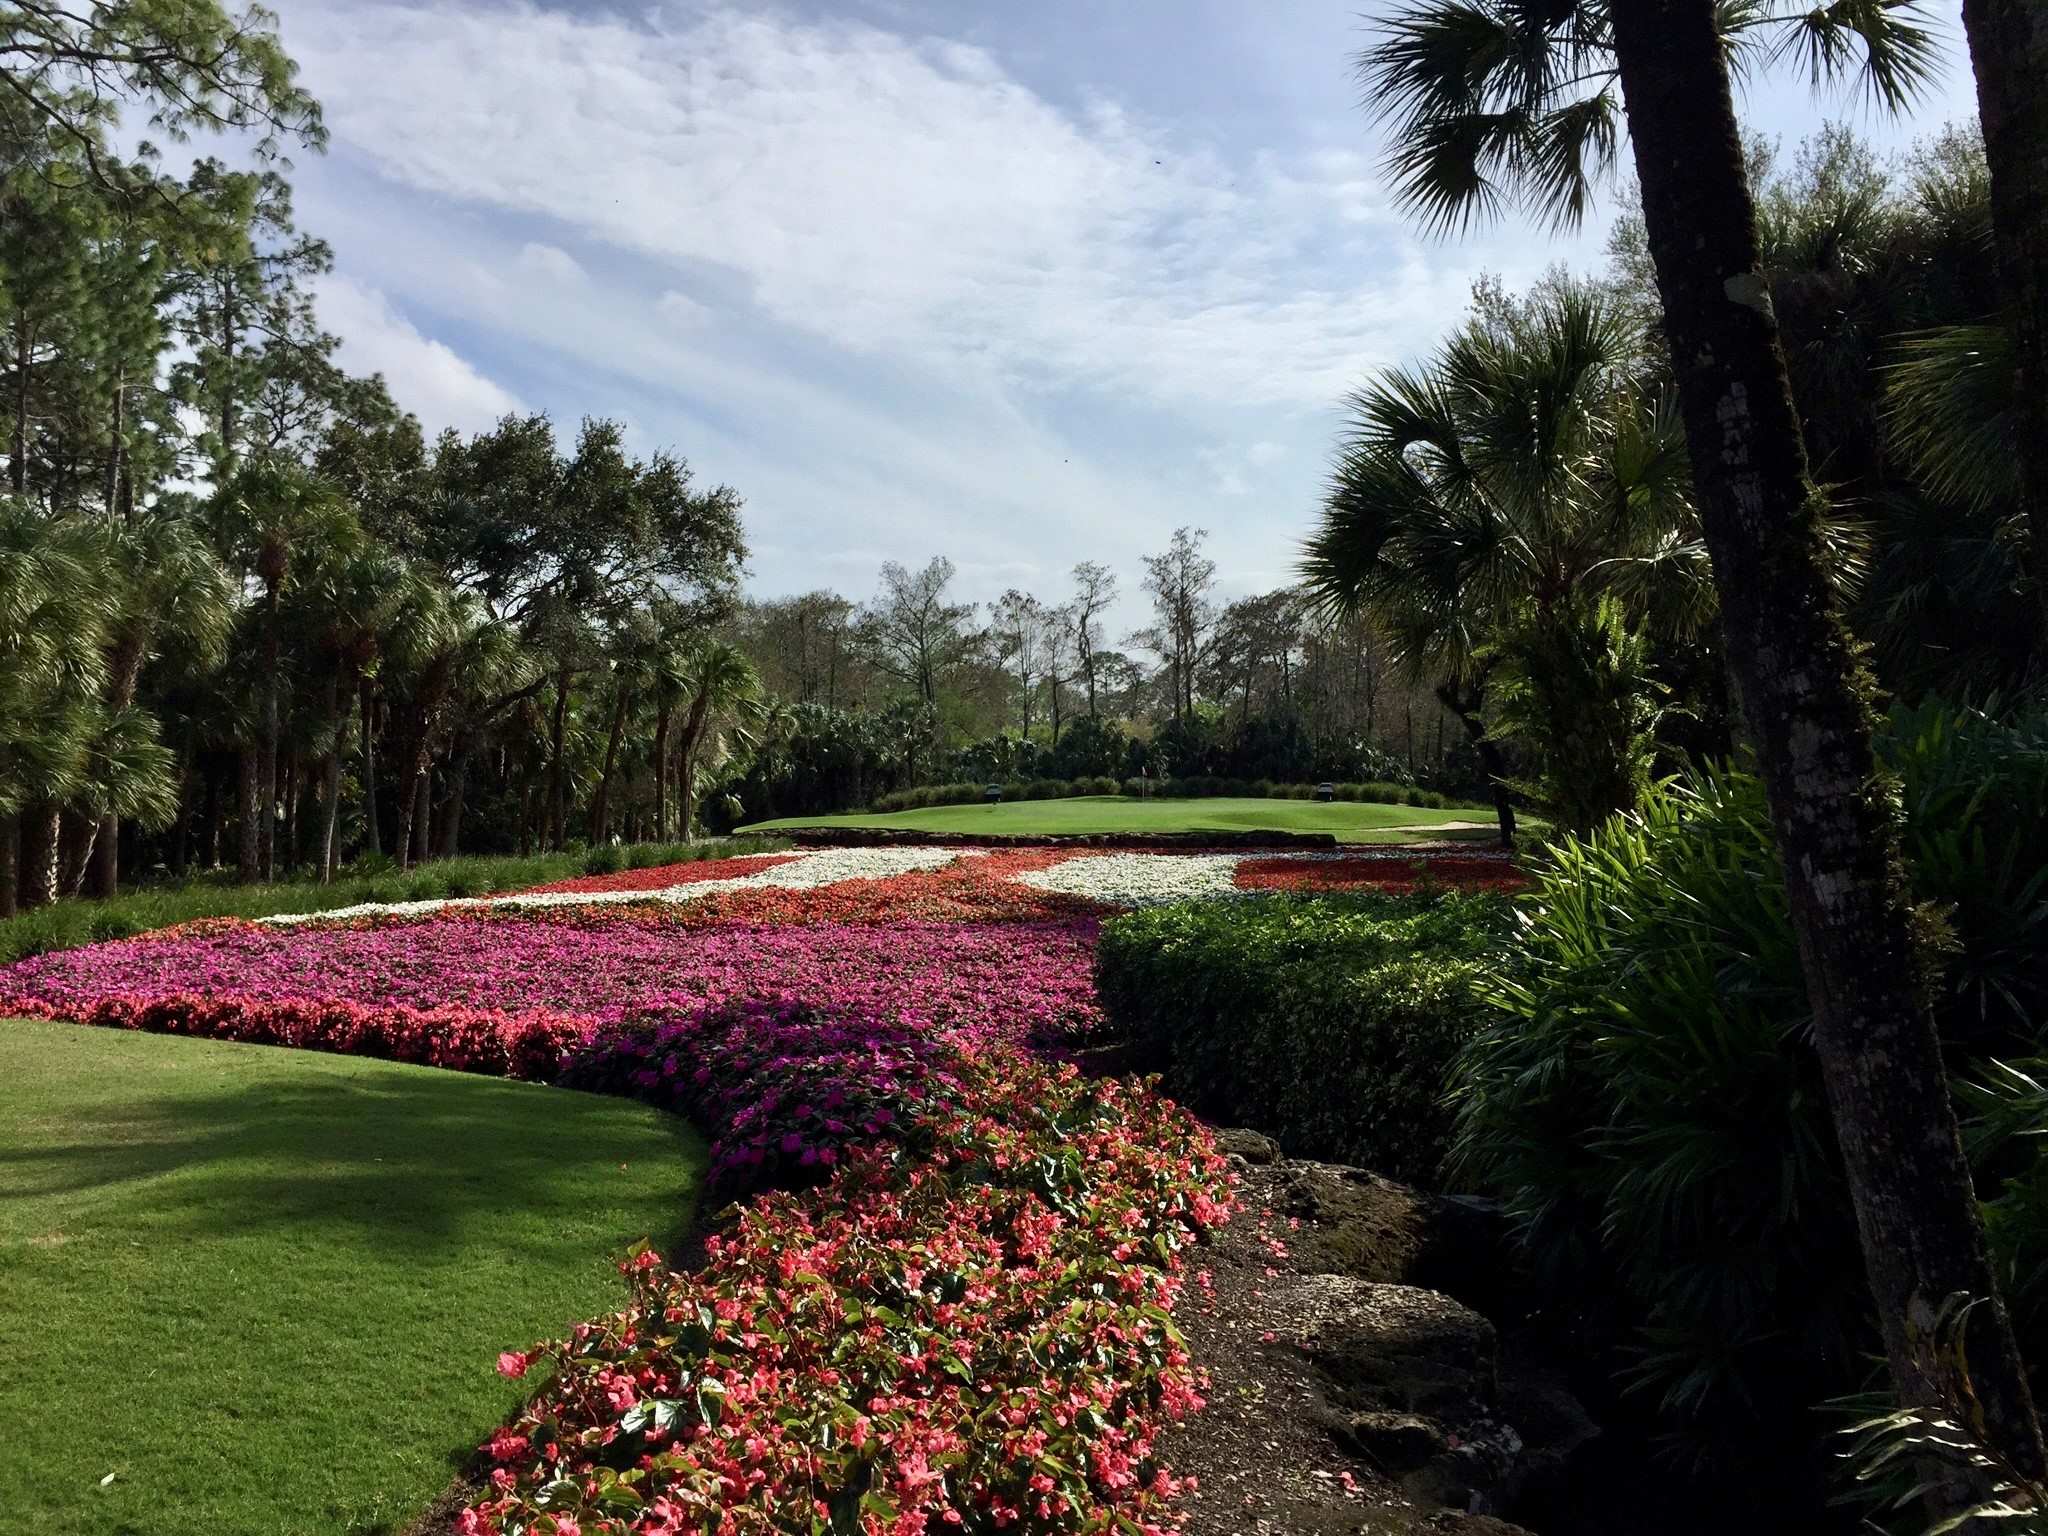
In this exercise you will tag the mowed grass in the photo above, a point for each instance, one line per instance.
(265, 1290)
(1352, 822)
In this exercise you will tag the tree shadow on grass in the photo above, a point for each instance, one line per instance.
(412, 1158)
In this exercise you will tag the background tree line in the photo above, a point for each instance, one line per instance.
(248, 614)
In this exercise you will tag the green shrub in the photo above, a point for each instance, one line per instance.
(1327, 1022)
(604, 859)
(1647, 1105)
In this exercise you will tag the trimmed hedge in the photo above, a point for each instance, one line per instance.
(1330, 1023)
(1194, 788)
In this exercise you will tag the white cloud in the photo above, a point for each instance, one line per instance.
(895, 196)
(550, 261)
(682, 309)
(426, 377)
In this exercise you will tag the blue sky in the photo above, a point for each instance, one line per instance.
(1020, 285)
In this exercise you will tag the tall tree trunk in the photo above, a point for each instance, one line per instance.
(1807, 700)
(686, 760)
(451, 806)
(210, 843)
(249, 852)
(272, 620)
(111, 491)
(555, 813)
(601, 810)
(662, 720)
(24, 349)
(2009, 51)
(188, 788)
(77, 833)
(423, 815)
(38, 859)
(366, 692)
(330, 807)
(10, 865)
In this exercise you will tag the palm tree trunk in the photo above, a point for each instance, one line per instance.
(423, 815)
(1807, 699)
(10, 864)
(662, 720)
(115, 428)
(555, 813)
(2009, 51)
(451, 806)
(330, 830)
(365, 694)
(77, 834)
(600, 813)
(272, 620)
(211, 841)
(249, 860)
(38, 860)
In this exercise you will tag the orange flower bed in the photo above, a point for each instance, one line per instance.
(1464, 871)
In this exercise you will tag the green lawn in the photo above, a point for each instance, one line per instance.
(263, 1291)
(1352, 822)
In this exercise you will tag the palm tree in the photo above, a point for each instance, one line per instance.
(1527, 468)
(168, 582)
(53, 622)
(1490, 101)
(271, 511)
(722, 686)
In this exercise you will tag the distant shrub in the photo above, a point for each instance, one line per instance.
(1330, 1023)
(604, 859)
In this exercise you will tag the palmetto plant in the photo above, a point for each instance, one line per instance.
(1529, 471)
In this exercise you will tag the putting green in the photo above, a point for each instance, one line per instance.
(1083, 815)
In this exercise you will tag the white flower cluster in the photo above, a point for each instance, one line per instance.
(828, 866)
(1141, 879)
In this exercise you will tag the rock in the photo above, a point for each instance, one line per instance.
(1396, 1442)
(1259, 1151)
(1555, 1429)
(1373, 1227)
(1398, 1348)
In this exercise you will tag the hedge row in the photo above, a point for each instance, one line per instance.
(1198, 787)
(1330, 1023)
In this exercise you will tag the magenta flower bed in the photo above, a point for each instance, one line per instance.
(1014, 979)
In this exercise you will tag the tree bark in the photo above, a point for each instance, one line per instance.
(249, 852)
(662, 720)
(1807, 697)
(601, 811)
(2009, 51)
(38, 858)
(365, 694)
(77, 835)
(554, 828)
(451, 807)
(272, 621)
(10, 865)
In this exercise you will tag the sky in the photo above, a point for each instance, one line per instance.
(1018, 285)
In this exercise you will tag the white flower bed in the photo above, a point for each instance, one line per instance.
(1141, 879)
(828, 866)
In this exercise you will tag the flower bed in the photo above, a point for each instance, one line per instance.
(591, 966)
(1379, 873)
(976, 1338)
(662, 877)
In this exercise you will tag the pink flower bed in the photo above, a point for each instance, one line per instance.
(1020, 978)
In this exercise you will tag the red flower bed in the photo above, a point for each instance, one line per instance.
(976, 888)
(661, 876)
(1380, 872)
